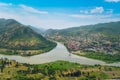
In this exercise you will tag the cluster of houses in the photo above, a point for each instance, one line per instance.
(95, 42)
(92, 46)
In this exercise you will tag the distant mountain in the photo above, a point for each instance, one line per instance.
(38, 30)
(112, 28)
(109, 31)
(15, 36)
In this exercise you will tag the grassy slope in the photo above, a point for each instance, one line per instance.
(59, 70)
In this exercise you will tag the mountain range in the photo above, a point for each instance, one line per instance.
(101, 31)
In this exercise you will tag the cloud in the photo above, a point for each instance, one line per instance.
(112, 1)
(33, 10)
(97, 10)
(5, 4)
(24, 15)
(87, 19)
(46, 21)
(89, 16)
(109, 11)
(80, 16)
(84, 11)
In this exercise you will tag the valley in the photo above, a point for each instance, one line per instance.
(79, 53)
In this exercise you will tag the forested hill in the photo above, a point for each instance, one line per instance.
(15, 36)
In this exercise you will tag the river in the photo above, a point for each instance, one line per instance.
(58, 53)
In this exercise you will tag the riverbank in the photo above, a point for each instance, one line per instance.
(108, 58)
(58, 53)
(27, 53)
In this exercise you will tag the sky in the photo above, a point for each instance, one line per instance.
(59, 14)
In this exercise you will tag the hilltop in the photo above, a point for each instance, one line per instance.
(16, 38)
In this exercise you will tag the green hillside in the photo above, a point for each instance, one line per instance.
(59, 70)
(112, 27)
(16, 38)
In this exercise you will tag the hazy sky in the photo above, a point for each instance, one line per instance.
(60, 13)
